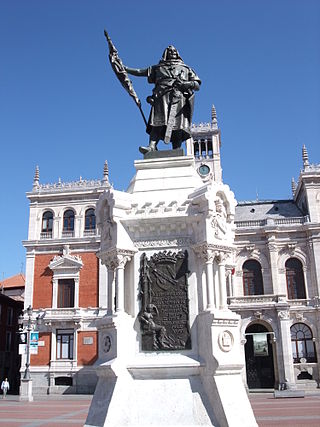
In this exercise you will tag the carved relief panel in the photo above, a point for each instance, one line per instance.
(164, 314)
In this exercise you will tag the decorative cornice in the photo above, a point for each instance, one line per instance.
(82, 184)
(177, 242)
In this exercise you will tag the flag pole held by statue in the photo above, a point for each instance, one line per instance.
(121, 73)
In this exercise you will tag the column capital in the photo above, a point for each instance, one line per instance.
(116, 258)
(209, 252)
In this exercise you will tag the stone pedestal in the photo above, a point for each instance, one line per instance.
(169, 348)
(26, 390)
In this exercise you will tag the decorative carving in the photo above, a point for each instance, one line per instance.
(164, 314)
(299, 317)
(66, 260)
(225, 340)
(115, 258)
(250, 248)
(284, 315)
(209, 252)
(74, 185)
(291, 248)
(219, 220)
(174, 243)
(316, 301)
(258, 314)
(106, 344)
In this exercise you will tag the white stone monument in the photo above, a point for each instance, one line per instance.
(181, 368)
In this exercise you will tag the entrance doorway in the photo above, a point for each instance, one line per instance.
(259, 357)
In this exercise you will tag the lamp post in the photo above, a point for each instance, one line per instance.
(26, 381)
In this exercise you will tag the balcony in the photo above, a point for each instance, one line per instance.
(90, 233)
(252, 301)
(256, 299)
(67, 234)
(46, 235)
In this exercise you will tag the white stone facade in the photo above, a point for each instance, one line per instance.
(268, 232)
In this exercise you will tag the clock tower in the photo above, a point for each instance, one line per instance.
(205, 147)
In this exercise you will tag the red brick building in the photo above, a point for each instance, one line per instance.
(65, 283)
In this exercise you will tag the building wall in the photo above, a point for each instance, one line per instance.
(42, 288)
(44, 351)
(87, 347)
(89, 281)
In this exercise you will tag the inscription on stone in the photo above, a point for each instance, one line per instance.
(164, 314)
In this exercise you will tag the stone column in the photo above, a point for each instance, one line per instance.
(111, 290)
(54, 292)
(206, 256)
(56, 227)
(53, 345)
(30, 260)
(232, 282)
(115, 260)
(285, 357)
(103, 285)
(209, 282)
(222, 282)
(273, 253)
(76, 292)
(122, 260)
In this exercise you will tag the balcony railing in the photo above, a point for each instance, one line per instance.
(46, 235)
(270, 221)
(68, 233)
(88, 233)
(254, 299)
(272, 299)
(251, 223)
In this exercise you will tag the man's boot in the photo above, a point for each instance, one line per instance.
(152, 147)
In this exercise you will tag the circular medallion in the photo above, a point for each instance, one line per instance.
(225, 340)
(204, 170)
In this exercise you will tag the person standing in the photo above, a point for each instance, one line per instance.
(5, 387)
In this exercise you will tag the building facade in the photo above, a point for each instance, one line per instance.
(273, 281)
(10, 310)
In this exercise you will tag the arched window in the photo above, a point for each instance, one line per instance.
(47, 222)
(90, 219)
(295, 279)
(68, 220)
(302, 343)
(252, 278)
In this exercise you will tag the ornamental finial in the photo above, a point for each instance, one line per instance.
(305, 157)
(293, 186)
(214, 120)
(106, 172)
(36, 178)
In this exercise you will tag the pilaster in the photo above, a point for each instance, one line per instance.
(285, 358)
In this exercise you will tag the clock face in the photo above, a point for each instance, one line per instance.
(204, 170)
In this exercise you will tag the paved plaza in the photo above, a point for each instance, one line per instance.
(60, 411)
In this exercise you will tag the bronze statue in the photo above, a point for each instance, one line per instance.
(172, 98)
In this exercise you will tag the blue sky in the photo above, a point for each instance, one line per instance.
(61, 107)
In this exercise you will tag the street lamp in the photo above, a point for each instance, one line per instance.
(26, 381)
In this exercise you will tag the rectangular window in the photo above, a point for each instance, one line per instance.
(9, 316)
(65, 293)
(65, 343)
(8, 341)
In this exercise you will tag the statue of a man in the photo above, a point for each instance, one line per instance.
(171, 101)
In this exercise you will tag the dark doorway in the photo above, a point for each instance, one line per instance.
(259, 357)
